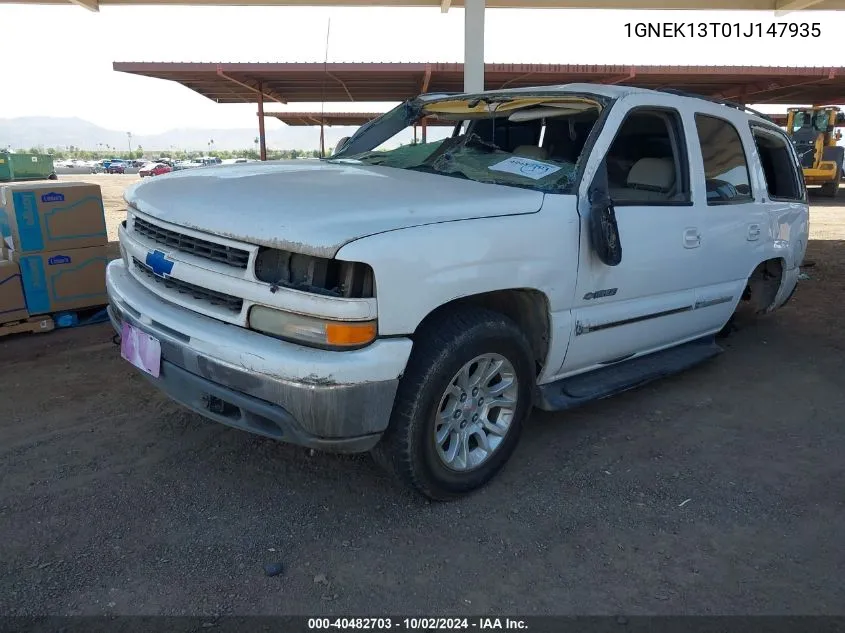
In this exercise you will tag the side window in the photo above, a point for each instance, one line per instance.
(725, 166)
(779, 167)
(647, 161)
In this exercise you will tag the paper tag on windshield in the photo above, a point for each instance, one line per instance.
(533, 169)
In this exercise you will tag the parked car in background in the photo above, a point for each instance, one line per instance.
(154, 169)
(186, 164)
(116, 167)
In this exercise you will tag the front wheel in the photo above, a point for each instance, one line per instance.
(460, 405)
(830, 189)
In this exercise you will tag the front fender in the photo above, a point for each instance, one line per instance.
(419, 269)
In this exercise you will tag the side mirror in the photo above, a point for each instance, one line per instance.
(340, 144)
(604, 231)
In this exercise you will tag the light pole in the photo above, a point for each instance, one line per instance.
(129, 137)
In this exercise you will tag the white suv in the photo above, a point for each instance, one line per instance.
(562, 244)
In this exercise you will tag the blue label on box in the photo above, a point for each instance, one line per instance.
(29, 224)
(53, 197)
(34, 285)
(58, 259)
(71, 208)
(5, 229)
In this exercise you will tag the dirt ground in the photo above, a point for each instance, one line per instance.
(719, 491)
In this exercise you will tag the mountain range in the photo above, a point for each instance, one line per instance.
(63, 132)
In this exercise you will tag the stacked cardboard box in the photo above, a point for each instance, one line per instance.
(55, 243)
(12, 302)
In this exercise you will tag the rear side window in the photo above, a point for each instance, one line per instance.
(725, 166)
(783, 180)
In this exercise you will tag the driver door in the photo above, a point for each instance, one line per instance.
(646, 302)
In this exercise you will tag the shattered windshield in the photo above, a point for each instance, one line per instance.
(532, 142)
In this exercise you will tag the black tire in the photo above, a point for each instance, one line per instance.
(53, 176)
(830, 189)
(441, 348)
(837, 155)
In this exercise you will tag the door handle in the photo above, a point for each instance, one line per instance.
(753, 232)
(692, 238)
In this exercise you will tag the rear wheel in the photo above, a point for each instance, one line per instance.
(460, 405)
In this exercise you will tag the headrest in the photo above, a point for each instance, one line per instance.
(652, 173)
(531, 151)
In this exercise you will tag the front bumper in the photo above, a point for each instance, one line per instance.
(826, 172)
(334, 401)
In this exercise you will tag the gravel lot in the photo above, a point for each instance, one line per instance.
(719, 491)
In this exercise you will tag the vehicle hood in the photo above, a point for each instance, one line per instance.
(315, 207)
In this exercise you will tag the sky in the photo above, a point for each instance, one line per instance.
(58, 59)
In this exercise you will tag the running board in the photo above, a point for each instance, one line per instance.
(568, 393)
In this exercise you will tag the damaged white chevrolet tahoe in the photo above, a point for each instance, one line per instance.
(562, 244)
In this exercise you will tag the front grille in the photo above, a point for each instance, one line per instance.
(213, 297)
(201, 248)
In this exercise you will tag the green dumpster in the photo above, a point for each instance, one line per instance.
(16, 167)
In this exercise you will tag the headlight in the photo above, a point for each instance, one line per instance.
(312, 330)
(352, 280)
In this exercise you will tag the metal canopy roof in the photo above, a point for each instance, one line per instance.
(388, 82)
(301, 119)
(304, 119)
(743, 5)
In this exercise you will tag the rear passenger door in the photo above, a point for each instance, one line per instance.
(734, 231)
(644, 303)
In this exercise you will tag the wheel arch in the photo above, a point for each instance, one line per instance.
(527, 307)
(763, 284)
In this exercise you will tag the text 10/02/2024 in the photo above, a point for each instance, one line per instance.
(418, 624)
(723, 29)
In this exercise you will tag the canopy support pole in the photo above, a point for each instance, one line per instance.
(474, 45)
(262, 138)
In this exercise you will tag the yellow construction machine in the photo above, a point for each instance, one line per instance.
(814, 136)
